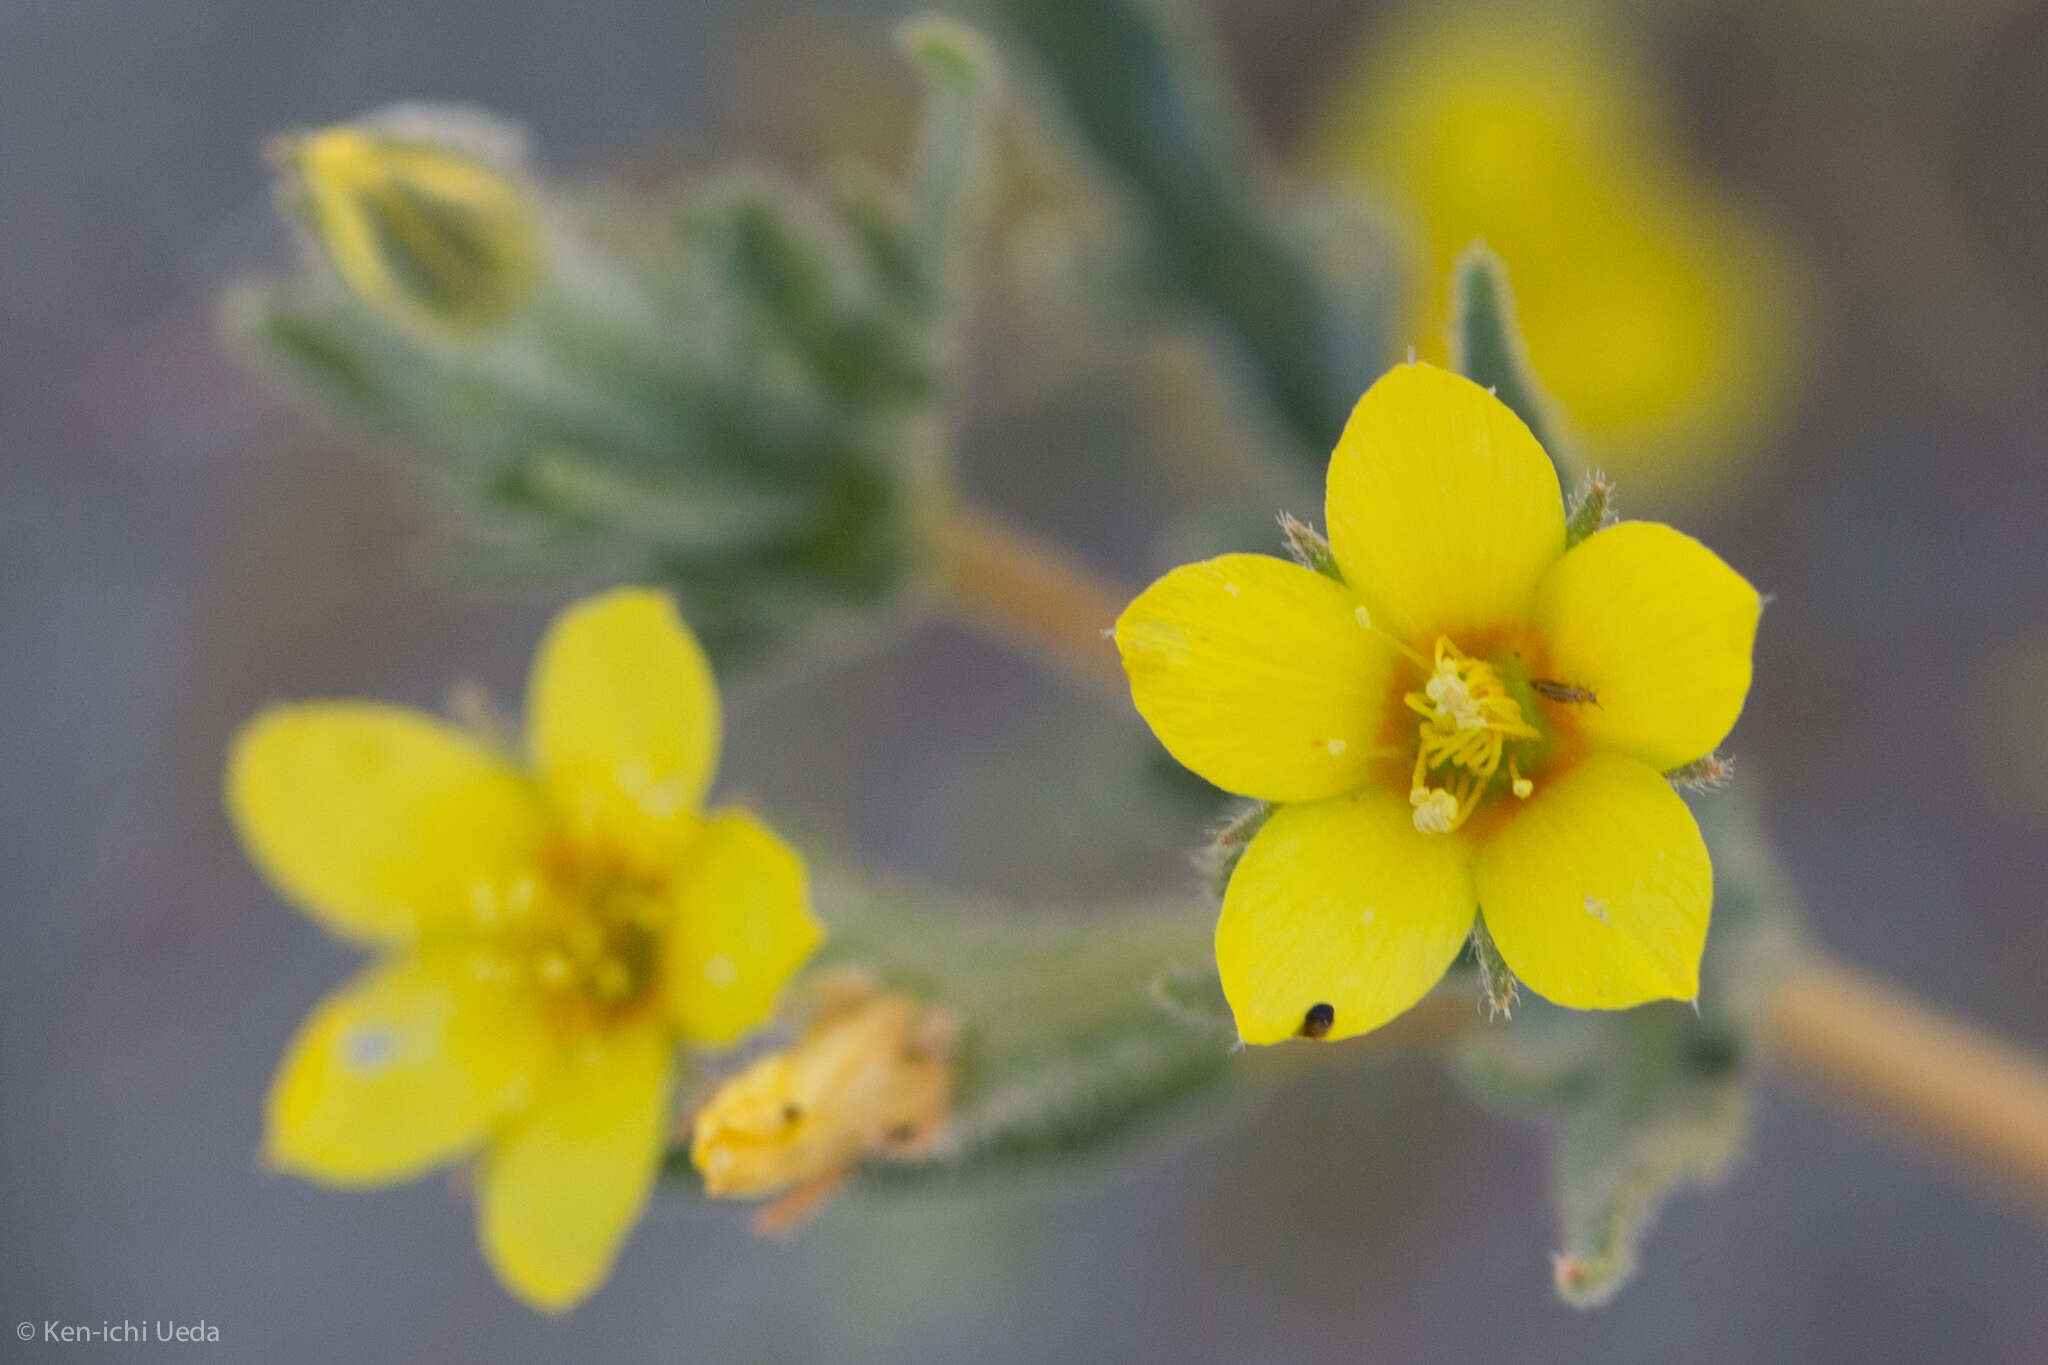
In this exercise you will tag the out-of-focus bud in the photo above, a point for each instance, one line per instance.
(435, 238)
(870, 1077)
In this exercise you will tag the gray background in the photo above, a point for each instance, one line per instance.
(176, 555)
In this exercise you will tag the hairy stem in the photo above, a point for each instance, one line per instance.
(1976, 1098)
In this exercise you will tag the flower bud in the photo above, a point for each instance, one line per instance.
(870, 1076)
(434, 238)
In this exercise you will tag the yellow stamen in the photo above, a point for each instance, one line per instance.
(1520, 785)
(1468, 716)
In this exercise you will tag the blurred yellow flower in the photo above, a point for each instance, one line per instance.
(1660, 317)
(871, 1076)
(1473, 719)
(547, 931)
(435, 239)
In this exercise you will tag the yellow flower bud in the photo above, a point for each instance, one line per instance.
(435, 239)
(871, 1076)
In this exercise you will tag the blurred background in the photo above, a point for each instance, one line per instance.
(1842, 206)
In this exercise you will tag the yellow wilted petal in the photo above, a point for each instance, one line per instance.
(871, 1075)
(1343, 904)
(560, 1190)
(623, 724)
(1259, 675)
(1443, 509)
(1660, 630)
(378, 821)
(741, 927)
(405, 1068)
(434, 239)
(1597, 890)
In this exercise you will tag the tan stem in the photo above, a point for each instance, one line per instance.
(1974, 1097)
(1957, 1088)
(1031, 595)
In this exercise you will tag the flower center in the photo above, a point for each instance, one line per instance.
(1468, 717)
(589, 934)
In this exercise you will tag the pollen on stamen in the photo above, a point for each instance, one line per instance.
(1436, 810)
(1467, 718)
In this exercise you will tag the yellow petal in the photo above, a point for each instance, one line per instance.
(379, 821)
(623, 720)
(1443, 510)
(405, 1068)
(1259, 675)
(1597, 891)
(429, 237)
(1659, 629)
(1341, 903)
(742, 926)
(560, 1190)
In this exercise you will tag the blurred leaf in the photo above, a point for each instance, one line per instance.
(1134, 87)
(1649, 1101)
(950, 173)
(1487, 346)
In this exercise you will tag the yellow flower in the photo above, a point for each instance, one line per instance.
(1474, 718)
(546, 932)
(872, 1076)
(1657, 313)
(433, 238)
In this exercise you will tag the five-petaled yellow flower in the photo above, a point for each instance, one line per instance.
(1474, 719)
(547, 931)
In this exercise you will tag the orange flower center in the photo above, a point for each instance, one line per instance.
(1469, 717)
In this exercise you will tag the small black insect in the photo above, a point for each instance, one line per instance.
(1566, 693)
(1316, 1023)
